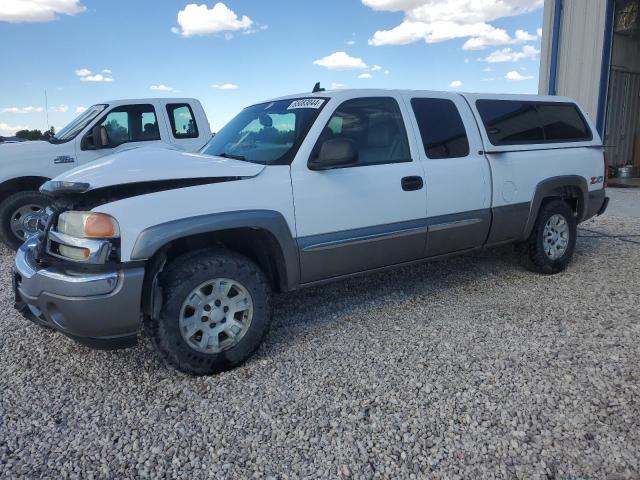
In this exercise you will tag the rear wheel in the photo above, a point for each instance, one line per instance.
(215, 314)
(19, 216)
(550, 246)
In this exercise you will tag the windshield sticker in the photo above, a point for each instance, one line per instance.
(307, 103)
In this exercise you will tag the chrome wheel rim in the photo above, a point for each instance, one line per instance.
(216, 315)
(555, 239)
(24, 220)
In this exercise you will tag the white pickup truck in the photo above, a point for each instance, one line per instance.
(102, 129)
(299, 191)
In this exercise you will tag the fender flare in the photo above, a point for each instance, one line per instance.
(152, 239)
(552, 187)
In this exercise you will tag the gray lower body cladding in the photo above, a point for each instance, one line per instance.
(99, 309)
(597, 205)
(342, 253)
(347, 252)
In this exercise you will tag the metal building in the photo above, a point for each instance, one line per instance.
(591, 52)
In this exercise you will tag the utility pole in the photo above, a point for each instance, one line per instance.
(46, 108)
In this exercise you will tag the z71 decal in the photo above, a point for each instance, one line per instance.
(64, 159)
(595, 180)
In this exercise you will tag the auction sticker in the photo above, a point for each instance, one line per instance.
(307, 103)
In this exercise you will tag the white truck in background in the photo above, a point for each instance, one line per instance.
(102, 129)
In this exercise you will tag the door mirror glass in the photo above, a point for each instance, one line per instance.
(97, 138)
(100, 137)
(334, 153)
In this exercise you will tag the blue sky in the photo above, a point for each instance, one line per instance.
(238, 52)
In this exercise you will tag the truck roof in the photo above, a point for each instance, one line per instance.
(127, 101)
(377, 92)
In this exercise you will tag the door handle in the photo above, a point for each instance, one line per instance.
(412, 183)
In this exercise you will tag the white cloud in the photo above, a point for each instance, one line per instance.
(7, 130)
(497, 37)
(107, 71)
(28, 109)
(337, 86)
(350, 42)
(487, 69)
(162, 88)
(376, 68)
(514, 75)
(201, 20)
(224, 86)
(16, 11)
(365, 76)
(59, 109)
(80, 109)
(539, 32)
(456, 84)
(341, 61)
(509, 55)
(487, 37)
(466, 60)
(524, 36)
(386, 72)
(441, 20)
(86, 75)
(96, 78)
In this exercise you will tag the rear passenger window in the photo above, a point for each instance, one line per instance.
(375, 127)
(510, 122)
(441, 128)
(563, 122)
(183, 123)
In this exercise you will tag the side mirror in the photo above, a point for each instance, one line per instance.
(98, 138)
(335, 153)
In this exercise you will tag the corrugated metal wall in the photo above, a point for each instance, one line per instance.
(545, 54)
(623, 116)
(580, 51)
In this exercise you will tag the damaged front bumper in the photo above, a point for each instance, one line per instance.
(99, 309)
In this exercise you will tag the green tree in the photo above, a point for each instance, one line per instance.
(29, 134)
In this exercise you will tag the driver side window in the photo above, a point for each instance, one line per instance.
(375, 128)
(131, 123)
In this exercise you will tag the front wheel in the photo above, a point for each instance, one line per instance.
(215, 314)
(550, 246)
(19, 216)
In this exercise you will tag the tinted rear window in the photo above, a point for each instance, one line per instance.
(563, 122)
(510, 122)
(441, 128)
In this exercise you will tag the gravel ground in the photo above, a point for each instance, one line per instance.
(465, 368)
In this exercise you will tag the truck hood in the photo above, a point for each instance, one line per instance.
(157, 164)
(10, 152)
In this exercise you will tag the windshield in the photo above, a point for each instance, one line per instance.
(79, 123)
(269, 133)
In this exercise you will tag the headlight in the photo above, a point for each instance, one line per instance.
(88, 225)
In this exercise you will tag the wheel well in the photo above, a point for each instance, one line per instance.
(259, 245)
(570, 194)
(20, 184)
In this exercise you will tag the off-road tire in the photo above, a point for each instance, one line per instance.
(8, 206)
(179, 279)
(532, 251)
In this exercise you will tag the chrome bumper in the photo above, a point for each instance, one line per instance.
(98, 309)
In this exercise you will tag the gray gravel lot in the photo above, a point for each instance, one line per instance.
(464, 368)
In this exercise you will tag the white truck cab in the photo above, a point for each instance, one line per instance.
(105, 128)
(298, 191)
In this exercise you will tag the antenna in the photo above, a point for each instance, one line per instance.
(46, 107)
(317, 88)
